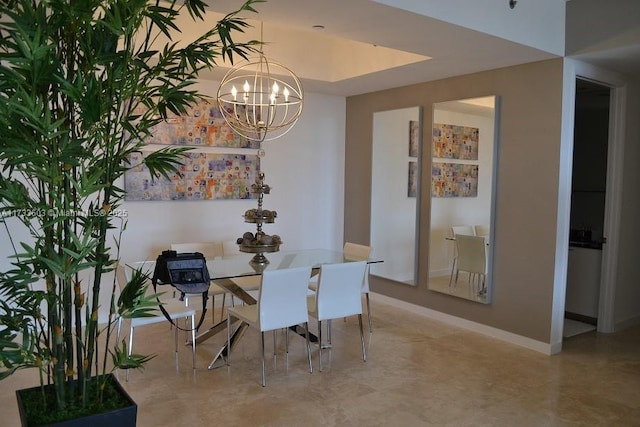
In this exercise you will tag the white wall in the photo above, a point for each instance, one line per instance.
(449, 211)
(305, 169)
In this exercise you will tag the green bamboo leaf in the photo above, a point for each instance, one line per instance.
(79, 90)
(165, 162)
(122, 360)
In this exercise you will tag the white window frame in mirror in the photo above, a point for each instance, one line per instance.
(394, 214)
(481, 113)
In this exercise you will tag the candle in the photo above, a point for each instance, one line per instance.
(246, 89)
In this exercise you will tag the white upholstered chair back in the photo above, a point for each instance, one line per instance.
(282, 298)
(339, 290)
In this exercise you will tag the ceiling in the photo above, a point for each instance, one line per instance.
(365, 46)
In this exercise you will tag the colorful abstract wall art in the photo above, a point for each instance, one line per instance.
(412, 186)
(454, 180)
(203, 176)
(455, 142)
(202, 125)
(414, 138)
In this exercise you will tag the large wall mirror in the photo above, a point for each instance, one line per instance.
(463, 167)
(395, 192)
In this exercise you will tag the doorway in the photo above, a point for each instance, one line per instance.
(588, 202)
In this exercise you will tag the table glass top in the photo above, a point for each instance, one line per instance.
(238, 265)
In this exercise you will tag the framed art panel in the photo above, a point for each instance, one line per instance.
(455, 142)
(202, 125)
(454, 180)
(414, 128)
(412, 183)
(203, 176)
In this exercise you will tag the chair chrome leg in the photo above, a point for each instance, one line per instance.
(130, 350)
(228, 339)
(286, 346)
(453, 267)
(364, 351)
(264, 378)
(213, 309)
(193, 340)
(306, 335)
(369, 313)
(275, 343)
(320, 345)
(175, 343)
(118, 331)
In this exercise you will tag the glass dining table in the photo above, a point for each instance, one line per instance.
(223, 271)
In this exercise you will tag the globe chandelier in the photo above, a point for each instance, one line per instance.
(260, 99)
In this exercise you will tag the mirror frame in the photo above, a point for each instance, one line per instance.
(391, 141)
(435, 271)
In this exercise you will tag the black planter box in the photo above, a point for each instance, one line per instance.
(121, 417)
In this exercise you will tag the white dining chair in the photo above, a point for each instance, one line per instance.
(467, 230)
(282, 303)
(339, 294)
(175, 309)
(464, 230)
(481, 230)
(210, 250)
(354, 251)
(472, 259)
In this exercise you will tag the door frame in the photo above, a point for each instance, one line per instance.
(613, 197)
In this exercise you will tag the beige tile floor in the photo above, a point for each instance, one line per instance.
(419, 372)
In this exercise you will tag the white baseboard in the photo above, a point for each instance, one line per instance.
(448, 319)
(627, 323)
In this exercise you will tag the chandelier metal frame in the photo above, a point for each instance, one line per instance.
(260, 99)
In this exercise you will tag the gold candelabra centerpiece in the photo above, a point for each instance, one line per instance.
(260, 242)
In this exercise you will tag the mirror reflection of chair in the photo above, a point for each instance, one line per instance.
(473, 260)
(465, 230)
(282, 303)
(339, 294)
(210, 250)
(175, 308)
(481, 230)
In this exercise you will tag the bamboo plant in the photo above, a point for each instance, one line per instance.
(82, 83)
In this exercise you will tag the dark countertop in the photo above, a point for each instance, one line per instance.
(593, 244)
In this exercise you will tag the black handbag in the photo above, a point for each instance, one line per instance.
(187, 272)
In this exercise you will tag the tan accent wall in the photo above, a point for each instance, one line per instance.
(529, 135)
